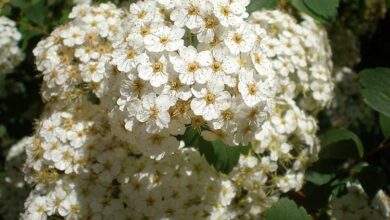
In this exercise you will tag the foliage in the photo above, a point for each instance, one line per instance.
(286, 209)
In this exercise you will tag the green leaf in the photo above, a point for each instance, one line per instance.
(341, 144)
(376, 89)
(3, 131)
(324, 8)
(286, 209)
(318, 178)
(37, 12)
(385, 125)
(300, 6)
(372, 179)
(262, 4)
(2, 176)
(18, 3)
(224, 158)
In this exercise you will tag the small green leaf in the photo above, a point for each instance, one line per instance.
(286, 209)
(341, 144)
(385, 125)
(300, 6)
(372, 179)
(318, 178)
(324, 8)
(262, 4)
(18, 3)
(2, 176)
(3, 131)
(376, 89)
(37, 12)
(224, 158)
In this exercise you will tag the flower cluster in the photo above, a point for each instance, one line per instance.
(122, 86)
(357, 205)
(10, 53)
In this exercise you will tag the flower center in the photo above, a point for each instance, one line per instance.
(145, 31)
(164, 40)
(156, 139)
(210, 22)
(175, 85)
(141, 15)
(237, 38)
(252, 89)
(158, 67)
(216, 66)
(225, 10)
(192, 67)
(193, 10)
(210, 98)
(227, 114)
(92, 69)
(154, 112)
(131, 54)
(258, 59)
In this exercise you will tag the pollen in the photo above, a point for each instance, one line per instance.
(252, 89)
(237, 38)
(192, 67)
(164, 40)
(158, 67)
(225, 11)
(193, 10)
(210, 98)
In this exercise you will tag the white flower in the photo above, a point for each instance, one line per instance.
(222, 67)
(321, 91)
(154, 112)
(252, 89)
(107, 166)
(191, 65)
(283, 66)
(210, 27)
(154, 70)
(63, 158)
(73, 36)
(164, 38)
(93, 71)
(142, 12)
(189, 14)
(209, 101)
(230, 12)
(229, 117)
(176, 89)
(240, 39)
(126, 59)
(55, 200)
(77, 135)
(228, 192)
(38, 209)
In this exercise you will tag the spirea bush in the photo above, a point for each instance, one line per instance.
(10, 53)
(137, 98)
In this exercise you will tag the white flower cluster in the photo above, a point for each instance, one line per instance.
(153, 71)
(357, 205)
(81, 170)
(10, 53)
(282, 151)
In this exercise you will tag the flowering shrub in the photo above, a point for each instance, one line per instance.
(167, 109)
(150, 86)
